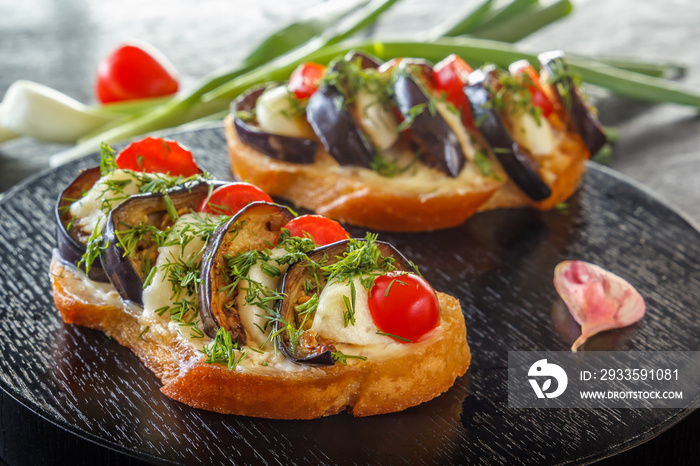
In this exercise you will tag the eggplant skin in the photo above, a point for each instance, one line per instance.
(337, 130)
(279, 147)
(125, 272)
(441, 146)
(70, 247)
(518, 164)
(584, 121)
(254, 227)
(366, 60)
(292, 287)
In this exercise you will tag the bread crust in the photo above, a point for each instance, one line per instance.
(425, 370)
(348, 198)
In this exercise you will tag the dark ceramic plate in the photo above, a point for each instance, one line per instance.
(500, 266)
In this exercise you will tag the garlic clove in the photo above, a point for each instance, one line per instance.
(597, 299)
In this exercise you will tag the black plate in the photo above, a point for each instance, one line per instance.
(499, 264)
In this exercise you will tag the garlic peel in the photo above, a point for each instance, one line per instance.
(597, 299)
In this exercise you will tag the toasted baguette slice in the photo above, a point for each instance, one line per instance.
(389, 381)
(429, 201)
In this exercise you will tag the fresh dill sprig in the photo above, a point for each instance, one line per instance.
(130, 238)
(107, 159)
(339, 356)
(483, 163)
(143, 332)
(93, 246)
(349, 314)
(183, 275)
(297, 248)
(389, 168)
(391, 335)
(361, 257)
(223, 350)
(513, 93)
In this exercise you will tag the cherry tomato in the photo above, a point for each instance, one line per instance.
(304, 79)
(450, 76)
(231, 198)
(322, 230)
(539, 98)
(404, 304)
(157, 155)
(134, 72)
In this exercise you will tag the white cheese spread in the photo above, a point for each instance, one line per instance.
(276, 115)
(329, 320)
(108, 192)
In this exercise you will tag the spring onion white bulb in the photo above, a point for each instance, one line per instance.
(5, 134)
(35, 110)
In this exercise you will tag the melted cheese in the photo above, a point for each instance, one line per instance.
(92, 209)
(159, 294)
(537, 137)
(253, 318)
(375, 120)
(329, 323)
(274, 111)
(454, 121)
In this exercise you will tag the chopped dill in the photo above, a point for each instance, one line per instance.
(94, 245)
(143, 332)
(361, 257)
(485, 166)
(391, 335)
(562, 208)
(107, 159)
(339, 356)
(223, 350)
(391, 283)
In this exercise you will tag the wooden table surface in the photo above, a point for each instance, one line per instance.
(58, 43)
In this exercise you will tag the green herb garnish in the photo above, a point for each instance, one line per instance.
(223, 350)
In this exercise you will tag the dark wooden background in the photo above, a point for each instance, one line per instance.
(59, 42)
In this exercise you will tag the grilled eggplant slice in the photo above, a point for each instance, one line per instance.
(583, 120)
(71, 241)
(520, 166)
(331, 119)
(300, 345)
(366, 60)
(284, 148)
(254, 228)
(441, 148)
(126, 271)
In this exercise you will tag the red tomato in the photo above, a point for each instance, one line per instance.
(134, 72)
(322, 230)
(404, 305)
(304, 79)
(231, 198)
(539, 98)
(450, 76)
(158, 155)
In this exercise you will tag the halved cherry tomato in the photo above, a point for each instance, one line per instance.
(322, 230)
(539, 98)
(134, 72)
(404, 305)
(157, 155)
(450, 76)
(304, 79)
(231, 198)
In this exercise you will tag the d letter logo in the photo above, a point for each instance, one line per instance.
(542, 369)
